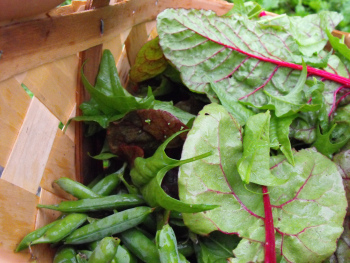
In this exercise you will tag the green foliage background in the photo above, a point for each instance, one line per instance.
(306, 7)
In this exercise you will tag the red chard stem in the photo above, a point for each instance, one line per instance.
(270, 252)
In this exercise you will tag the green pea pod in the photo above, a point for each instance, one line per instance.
(62, 229)
(123, 255)
(95, 204)
(140, 245)
(149, 173)
(65, 254)
(106, 185)
(33, 236)
(85, 253)
(109, 225)
(105, 250)
(95, 181)
(167, 245)
(76, 189)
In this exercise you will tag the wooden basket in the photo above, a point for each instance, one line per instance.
(45, 53)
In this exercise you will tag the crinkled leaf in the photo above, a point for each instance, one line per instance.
(279, 135)
(309, 208)
(146, 129)
(308, 31)
(324, 144)
(149, 63)
(254, 166)
(241, 57)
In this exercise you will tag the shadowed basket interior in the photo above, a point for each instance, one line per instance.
(45, 54)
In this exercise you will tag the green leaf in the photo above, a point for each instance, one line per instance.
(239, 111)
(293, 102)
(279, 135)
(254, 166)
(324, 145)
(310, 206)
(216, 247)
(168, 106)
(338, 45)
(246, 59)
(109, 100)
(249, 9)
(103, 156)
(149, 63)
(147, 174)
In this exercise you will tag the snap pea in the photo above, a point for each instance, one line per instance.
(95, 181)
(94, 204)
(105, 250)
(107, 184)
(76, 189)
(167, 245)
(65, 254)
(33, 236)
(109, 225)
(62, 229)
(123, 255)
(140, 245)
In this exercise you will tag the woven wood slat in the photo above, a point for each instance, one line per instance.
(18, 211)
(60, 164)
(54, 85)
(14, 103)
(31, 150)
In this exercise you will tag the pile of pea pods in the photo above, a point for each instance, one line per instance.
(109, 223)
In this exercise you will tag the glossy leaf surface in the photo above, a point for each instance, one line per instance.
(310, 206)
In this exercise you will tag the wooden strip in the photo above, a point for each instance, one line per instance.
(14, 103)
(28, 158)
(54, 85)
(137, 38)
(17, 219)
(70, 130)
(30, 44)
(123, 67)
(115, 46)
(151, 29)
(59, 164)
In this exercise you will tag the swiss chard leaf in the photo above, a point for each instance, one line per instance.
(149, 63)
(244, 59)
(308, 208)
